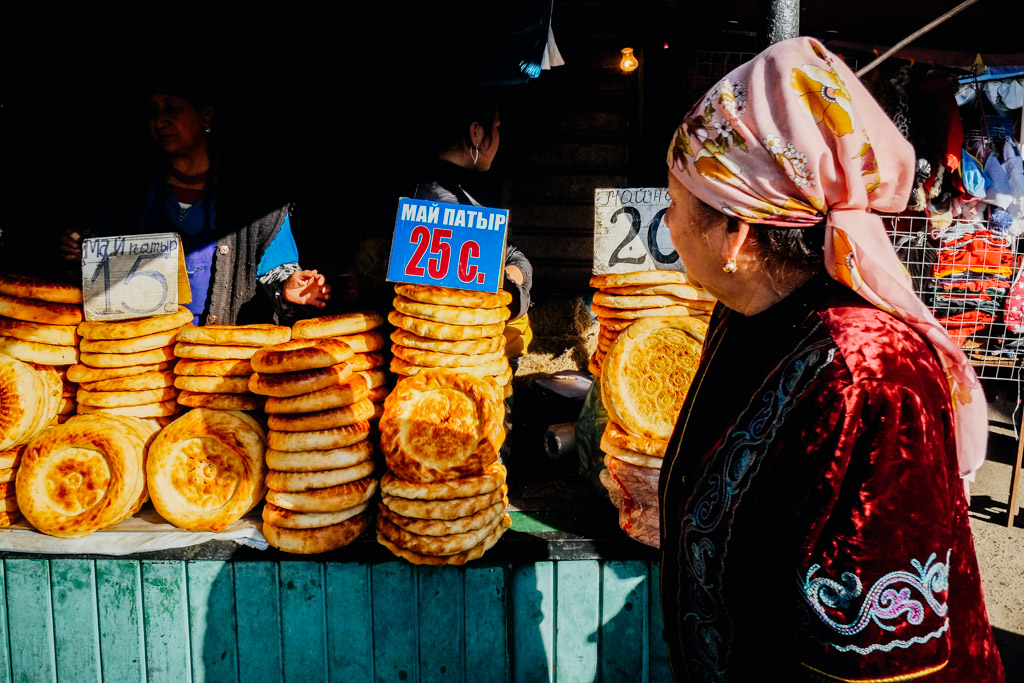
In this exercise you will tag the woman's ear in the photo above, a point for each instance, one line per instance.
(206, 115)
(734, 241)
(476, 133)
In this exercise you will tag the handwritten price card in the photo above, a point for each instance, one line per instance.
(448, 245)
(130, 276)
(630, 232)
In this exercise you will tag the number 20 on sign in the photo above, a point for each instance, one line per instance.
(448, 245)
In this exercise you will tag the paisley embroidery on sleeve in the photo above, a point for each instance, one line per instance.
(898, 597)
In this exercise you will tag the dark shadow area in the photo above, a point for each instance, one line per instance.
(1011, 649)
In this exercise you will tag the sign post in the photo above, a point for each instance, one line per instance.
(131, 276)
(630, 232)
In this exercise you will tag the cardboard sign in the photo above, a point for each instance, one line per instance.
(630, 232)
(132, 276)
(448, 245)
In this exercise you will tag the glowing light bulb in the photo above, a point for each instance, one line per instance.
(629, 62)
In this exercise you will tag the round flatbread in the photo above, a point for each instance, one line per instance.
(493, 478)
(214, 352)
(633, 313)
(195, 399)
(452, 315)
(115, 399)
(8, 474)
(361, 362)
(633, 458)
(322, 479)
(614, 435)
(324, 419)
(331, 499)
(146, 380)
(58, 335)
(439, 425)
(364, 342)
(434, 359)
(681, 291)
(161, 409)
(301, 354)
(84, 373)
(205, 470)
(444, 331)
(648, 301)
(448, 560)
(235, 335)
(450, 544)
(123, 360)
(284, 384)
(41, 289)
(315, 461)
(35, 352)
(337, 325)
(289, 519)
(11, 457)
(466, 346)
(213, 385)
(445, 296)
(138, 327)
(353, 390)
(147, 343)
(438, 527)
(24, 402)
(640, 277)
(319, 540)
(320, 440)
(40, 311)
(214, 368)
(614, 324)
(494, 368)
(648, 372)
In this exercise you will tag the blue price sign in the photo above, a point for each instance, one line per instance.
(448, 245)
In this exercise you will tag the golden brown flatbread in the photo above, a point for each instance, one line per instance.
(634, 313)
(41, 289)
(640, 277)
(235, 335)
(364, 342)
(147, 343)
(195, 399)
(319, 440)
(681, 291)
(162, 409)
(439, 425)
(123, 360)
(35, 352)
(496, 368)
(214, 351)
(322, 479)
(337, 325)
(434, 359)
(11, 457)
(299, 355)
(214, 368)
(35, 311)
(493, 478)
(363, 362)
(353, 390)
(319, 540)
(285, 384)
(24, 402)
(452, 560)
(289, 519)
(648, 372)
(115, 399)
(452, 315)
(58, 335)
(466, 346)
(450, 544)
(445, 296)
(324, 419)
(213, 385)
(444, 331)
(205, 470)
(614, 435)
(138, 327)
(444, 527)
(330, 499)
(626, 301)
(313, 461)
(632, 458)
(85, 373)
(614, 324)
(147, 380)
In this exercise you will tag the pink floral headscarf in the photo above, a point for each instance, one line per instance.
(793, 136)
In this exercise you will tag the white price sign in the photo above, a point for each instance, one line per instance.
(130, 276)
(630, 232)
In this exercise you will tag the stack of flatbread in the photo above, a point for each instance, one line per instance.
(320, 459)
(126, 366)
(85, 474)
(38, 319)
(624, 298)
(69, 392)
(9, 462)
(30, 398)
(215, 366)
(444, 497)
(645, 379)
(205, 470)
(360, 331)
(458, 329)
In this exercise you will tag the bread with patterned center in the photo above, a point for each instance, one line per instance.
(440, 424)
(206, 469)
(645, 377)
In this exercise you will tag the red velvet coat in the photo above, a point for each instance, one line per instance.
(813, 524)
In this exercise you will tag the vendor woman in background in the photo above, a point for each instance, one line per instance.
(226, 264)
(813, 515)
(462, 141)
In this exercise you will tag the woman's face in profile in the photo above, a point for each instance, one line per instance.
(489, 147)
(175, 125)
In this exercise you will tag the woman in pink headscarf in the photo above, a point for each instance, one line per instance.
(813, 512)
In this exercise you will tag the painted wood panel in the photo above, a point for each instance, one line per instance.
(5, 656)
(30, 621)
(486, 617)
(533, 622)
(76, 639)
(122, 634)
(303, 623)
(165, 620)
(349, 598)
(577, 620)
(623, 621)
(442, 639)
(212, 625)
(395, 655)
(258, 617)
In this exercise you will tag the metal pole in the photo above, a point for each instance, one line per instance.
(782, 22)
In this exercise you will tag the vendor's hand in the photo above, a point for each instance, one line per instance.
(71, 244)
(307, 287)
(515, 274)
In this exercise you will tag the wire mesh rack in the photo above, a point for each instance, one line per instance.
(967, 275)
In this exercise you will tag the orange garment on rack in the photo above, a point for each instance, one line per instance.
(982, 251)
(963, 325)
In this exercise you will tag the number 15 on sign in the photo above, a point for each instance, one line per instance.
(448, 245)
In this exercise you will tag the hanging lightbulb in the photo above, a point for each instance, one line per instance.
(629, 62)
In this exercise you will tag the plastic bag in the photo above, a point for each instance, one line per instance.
(589, 428)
